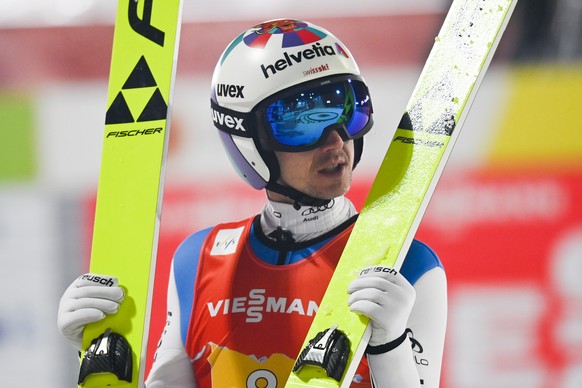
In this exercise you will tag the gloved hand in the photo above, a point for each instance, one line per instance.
(386, 297)
(88, 299)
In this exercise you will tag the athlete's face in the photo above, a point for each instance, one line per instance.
(324, 173)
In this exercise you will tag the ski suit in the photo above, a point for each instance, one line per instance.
(240, 303)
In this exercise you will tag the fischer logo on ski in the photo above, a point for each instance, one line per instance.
(140, 77)
(135, 132)
(144, 26)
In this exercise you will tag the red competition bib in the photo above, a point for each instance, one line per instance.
(249, 318)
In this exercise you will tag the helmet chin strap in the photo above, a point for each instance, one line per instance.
(299, 198)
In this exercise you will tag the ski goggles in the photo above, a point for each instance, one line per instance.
(300, 118)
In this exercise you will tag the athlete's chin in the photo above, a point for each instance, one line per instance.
(333, 190)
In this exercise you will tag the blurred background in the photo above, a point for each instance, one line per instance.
(506, 218)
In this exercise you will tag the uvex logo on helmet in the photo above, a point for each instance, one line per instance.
(234, 91)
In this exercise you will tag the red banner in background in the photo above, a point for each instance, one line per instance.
(512, 248)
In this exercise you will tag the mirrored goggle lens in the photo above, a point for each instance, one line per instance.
(301, 119)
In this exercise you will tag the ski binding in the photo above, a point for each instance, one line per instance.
(108, 353)
(329, 350)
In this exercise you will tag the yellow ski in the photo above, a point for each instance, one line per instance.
(130, 186)
(404, 184)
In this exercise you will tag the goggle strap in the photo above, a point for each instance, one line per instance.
(231, 121)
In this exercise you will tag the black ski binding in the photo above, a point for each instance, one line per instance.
(329, 350)
(108, 353)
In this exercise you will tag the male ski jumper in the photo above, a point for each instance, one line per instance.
(240, 302)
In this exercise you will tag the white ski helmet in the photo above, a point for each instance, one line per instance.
(255, 99)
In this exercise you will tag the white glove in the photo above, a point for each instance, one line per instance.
(88, 299)
(386, 297)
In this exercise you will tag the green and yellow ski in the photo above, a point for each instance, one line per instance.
(130, 187)
(405, 182)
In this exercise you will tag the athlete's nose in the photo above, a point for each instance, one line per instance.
(333, 140)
